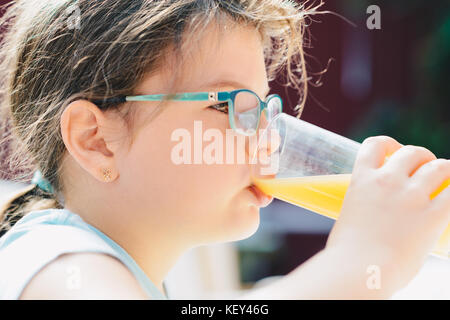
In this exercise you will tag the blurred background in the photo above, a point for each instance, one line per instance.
(393, 81)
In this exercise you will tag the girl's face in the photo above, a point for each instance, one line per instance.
(199, 203)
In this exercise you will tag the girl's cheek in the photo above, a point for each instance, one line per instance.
(160, 138)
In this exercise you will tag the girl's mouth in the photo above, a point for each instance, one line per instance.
(262, 200)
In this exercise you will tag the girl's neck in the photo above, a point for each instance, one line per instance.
(154, 251)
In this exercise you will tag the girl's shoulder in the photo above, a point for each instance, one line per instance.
(41, 234)
(83, 275)
(45, 241)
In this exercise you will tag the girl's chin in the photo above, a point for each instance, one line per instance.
(245, 222)
(239, 221)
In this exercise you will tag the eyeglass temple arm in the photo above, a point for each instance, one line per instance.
(192, 96)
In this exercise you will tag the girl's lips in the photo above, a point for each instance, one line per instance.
(263, 199)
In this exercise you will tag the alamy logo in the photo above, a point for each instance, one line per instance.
(374, 280)
(73, 281)
(374, 20)
(73, 13)
(211, 146)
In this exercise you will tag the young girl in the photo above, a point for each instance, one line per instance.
(109, 211)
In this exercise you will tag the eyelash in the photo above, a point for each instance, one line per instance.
(220, 106)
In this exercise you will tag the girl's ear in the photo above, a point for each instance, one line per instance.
(90, 138)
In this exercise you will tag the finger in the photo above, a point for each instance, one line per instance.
(432, 175)
(441, 204)
(408, 159)
(374, 150)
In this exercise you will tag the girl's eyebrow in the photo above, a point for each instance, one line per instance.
(228, 83)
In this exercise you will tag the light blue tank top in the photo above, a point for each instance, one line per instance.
(41, 236)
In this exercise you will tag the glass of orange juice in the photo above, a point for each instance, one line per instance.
(308, 166)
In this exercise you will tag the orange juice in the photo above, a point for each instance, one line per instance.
(324, 194)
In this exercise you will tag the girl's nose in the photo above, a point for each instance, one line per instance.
(263, 121)
(268, 138)
(264, 148)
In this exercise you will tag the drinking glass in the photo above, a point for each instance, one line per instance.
(308, 166)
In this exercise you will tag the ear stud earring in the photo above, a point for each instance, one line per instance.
(106, 174)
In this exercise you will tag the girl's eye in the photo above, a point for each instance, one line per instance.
(222, 107)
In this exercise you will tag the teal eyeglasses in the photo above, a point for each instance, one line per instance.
(244, 107)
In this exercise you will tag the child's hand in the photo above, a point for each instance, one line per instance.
(387, 215)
